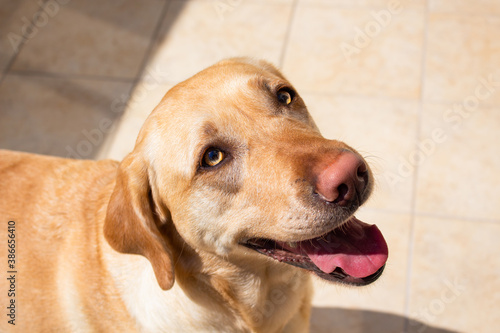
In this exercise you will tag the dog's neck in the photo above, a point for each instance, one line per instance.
(233, 296)
(232, 292)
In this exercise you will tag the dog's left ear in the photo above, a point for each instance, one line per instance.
(131, 225)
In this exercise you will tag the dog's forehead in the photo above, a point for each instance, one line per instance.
(237, 85)
(238, 80)
(233, 96)
(233, 76)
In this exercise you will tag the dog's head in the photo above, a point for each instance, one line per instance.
(232, 161)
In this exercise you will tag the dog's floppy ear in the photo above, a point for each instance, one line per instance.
(131, 225)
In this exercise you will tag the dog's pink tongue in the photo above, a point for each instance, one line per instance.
(358, 248)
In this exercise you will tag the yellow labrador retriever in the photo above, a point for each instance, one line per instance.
(215, 221)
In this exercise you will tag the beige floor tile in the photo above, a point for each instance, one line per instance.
(145, 97)
(478, 7)
(16, 19)
(204, 34)
(375, 308)
(383, 131)
(353, 51)
(104, 38)
(458, 172)
(455, 276)
(469, 55)
(67, 118)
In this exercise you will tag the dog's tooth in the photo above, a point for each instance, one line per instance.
(293, 245)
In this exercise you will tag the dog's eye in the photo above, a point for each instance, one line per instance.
(285, 96)
(212, 157)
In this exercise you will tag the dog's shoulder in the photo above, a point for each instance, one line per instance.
(23, 165)
(48, 184)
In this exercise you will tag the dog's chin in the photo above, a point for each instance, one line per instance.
(353, 253)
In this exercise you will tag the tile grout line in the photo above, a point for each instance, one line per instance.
(149, 49)
(154, 39)
(35, 73)
(387, 97)
(7, 69)
(431, 215)
(134, 80)
(462, 219)
(106, 148)
(411, 236)
(357, 96)
(288, 34)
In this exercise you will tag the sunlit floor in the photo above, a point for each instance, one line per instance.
(412, 85)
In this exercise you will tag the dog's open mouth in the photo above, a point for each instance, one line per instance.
(354, 253)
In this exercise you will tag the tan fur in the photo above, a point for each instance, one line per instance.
(152, 244)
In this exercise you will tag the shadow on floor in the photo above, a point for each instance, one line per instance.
(70, 115)
(329, 320)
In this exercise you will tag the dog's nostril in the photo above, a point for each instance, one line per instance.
(362, 172)
(342, 190)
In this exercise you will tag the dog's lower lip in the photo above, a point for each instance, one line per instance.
(354, 254)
